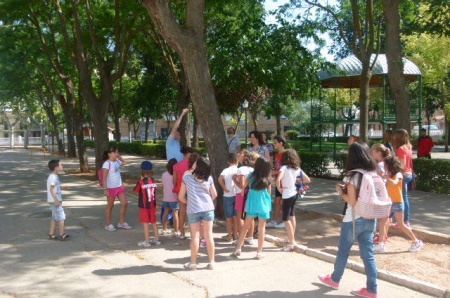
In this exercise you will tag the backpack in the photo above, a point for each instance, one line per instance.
(373, 200)
(301, 186)
(100, 174)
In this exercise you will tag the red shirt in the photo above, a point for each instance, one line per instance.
(424, 146)
(405, 153)
(180, 168)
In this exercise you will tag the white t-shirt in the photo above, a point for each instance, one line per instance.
(348, 212)
(167, 182)
(229, 183)
(113, 179)
(243, 170)
(288, 181)
(53, 180)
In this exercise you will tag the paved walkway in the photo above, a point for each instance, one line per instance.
(97, 263)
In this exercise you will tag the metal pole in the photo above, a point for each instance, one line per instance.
(246, 128)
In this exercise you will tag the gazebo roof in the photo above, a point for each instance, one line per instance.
(348, 71)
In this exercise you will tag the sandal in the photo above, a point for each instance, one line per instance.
(288, 248)
(52, 237)
(63, 237)
(211, 265)
(190, 266)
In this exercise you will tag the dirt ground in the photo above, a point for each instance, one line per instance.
(431, 264)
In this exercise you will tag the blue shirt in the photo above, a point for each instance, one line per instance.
(173, 149)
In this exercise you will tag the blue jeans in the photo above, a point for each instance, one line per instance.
(364, 234)
(406, 181)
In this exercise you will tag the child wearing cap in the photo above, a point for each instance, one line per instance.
(145, 187)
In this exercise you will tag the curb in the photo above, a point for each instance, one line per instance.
(394, 278)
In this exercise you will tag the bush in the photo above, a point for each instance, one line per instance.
(339, 163)
(315, 164)
(292, 134)
(432, 175)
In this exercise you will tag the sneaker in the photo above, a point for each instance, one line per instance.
(177, 234)
(416, 246)
(155, 241)
(144, 244)
(124, 226)
(248, 241)
(228, 238)
(110, 228)
(260, 256)
(379, 248)
(408, 224)
(236, 253)
(326, 280)
(165, 232)
(280, 225)
(363, 293)
(202, 243)
(271, 224)
(376, 238)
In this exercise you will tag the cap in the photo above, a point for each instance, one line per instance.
(146, 165)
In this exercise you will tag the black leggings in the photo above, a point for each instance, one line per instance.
(289, 207)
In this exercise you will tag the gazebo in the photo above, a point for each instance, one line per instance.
(346, 75)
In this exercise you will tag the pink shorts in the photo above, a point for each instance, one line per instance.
(115, 192)
(147, 215)
(238, 205)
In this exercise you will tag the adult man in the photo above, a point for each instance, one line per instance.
(173, 140)
(424, 144)
(234, 144)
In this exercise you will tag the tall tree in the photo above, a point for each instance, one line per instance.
(394, 57)
(187, 37)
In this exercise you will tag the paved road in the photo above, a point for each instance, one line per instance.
(96, 263)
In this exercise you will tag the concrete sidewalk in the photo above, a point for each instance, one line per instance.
(104, 264)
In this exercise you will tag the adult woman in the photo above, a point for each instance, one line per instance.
(403, 150)
(258, 146)
(201, 192)
(358, 158)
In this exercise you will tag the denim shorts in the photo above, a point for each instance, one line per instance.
(228, 206)
(398, 207)
(171, 205)
(199, 216)
(57, 212)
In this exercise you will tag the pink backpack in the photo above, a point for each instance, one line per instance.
(373, 199)
(100, 174)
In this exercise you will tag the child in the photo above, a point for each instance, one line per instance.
(258, 204)
(394, 179)
(279, 143)
(201, 192)
(54, 199)
(113, 188)
(145, 187)
(247, 160)
(170, 200)
(353, 224)
(286, 186)
(229, 196)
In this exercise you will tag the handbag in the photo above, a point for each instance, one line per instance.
(412, 185)
(300, 186)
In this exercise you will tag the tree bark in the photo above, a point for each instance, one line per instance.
(189, 42)
(397, 82)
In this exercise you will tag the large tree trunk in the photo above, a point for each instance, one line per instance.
(397, 81)
(189, 42)
(364, 96)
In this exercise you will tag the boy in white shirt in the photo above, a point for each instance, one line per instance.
(54, 199)
(229, 196)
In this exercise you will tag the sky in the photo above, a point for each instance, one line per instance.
(274, 4)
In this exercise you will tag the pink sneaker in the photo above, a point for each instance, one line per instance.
(364, 293)
(326, 280)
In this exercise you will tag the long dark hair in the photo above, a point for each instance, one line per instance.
(359, 157)
(112, 148)
(290, 159)
(202, 169)
(261, 174)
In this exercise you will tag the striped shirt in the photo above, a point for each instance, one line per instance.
(198, 195)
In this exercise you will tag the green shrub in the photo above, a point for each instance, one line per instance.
(315, 164)
(432, 175)
(339, 163)
(292, 134)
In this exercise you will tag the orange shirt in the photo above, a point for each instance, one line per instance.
(395, 190)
